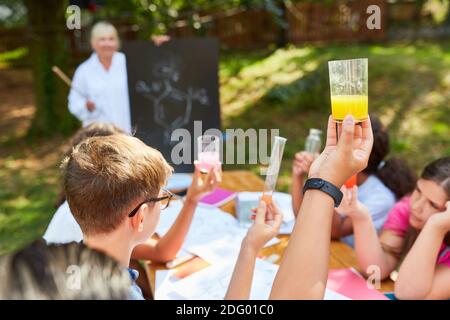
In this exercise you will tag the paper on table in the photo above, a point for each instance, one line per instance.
(205, 282)
(212, 283)
(181, 257)
(213, 235)
(164, 279)
(207, 225)
(164, 282)
(224, 249)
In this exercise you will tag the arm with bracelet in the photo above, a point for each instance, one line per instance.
(303, 271)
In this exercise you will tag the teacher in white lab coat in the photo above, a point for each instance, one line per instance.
(100, 87)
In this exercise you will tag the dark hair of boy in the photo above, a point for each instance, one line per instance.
(62, 272)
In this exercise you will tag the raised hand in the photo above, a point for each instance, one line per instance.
(339, 161)
(442, 219)
(267, 224)
(350, 205)
(202, 186)
(301, 164)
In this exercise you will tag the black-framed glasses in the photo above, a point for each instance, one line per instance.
(165, 200)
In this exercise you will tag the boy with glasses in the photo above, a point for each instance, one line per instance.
(113, 185)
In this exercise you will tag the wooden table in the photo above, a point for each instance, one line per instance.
(341, 255)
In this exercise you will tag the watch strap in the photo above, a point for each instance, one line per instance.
(324, 186)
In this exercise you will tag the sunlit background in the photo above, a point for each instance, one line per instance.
(273, 74)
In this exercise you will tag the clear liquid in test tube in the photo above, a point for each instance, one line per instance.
(274, 167)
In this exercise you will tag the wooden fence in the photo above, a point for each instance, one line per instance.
(307, 22)
(343, 20)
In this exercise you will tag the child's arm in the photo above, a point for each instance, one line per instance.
(266, 226)
(368, 249)
(303, 271)
(300, 168)
(418, 277)
(341, 226)
(168, 246)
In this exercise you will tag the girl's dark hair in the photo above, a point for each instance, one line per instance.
(68, 271)
(437, 171)
(393, 172)
(95, 129)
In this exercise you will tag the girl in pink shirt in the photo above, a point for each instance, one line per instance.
(415, 234)
(398, 223)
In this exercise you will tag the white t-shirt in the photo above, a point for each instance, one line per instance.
(63, 228)
(107, 89)
(378, 198)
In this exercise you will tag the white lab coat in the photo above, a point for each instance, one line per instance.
(107, 89)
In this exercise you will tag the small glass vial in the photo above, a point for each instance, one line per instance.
(313, 141)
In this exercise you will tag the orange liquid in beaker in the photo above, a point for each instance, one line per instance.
(267, 198)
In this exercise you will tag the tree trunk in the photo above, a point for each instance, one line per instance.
(48, 47)
(282, 38)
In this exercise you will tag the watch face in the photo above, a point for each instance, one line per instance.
(318, 183)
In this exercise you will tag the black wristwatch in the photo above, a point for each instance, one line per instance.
(324, 186)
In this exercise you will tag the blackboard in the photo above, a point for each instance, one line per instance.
(171, 86)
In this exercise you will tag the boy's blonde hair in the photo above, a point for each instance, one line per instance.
(93, 130)
(105, 176)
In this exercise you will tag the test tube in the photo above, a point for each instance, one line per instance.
(274, 167)
(208, 152)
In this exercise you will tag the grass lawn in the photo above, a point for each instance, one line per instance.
(28, 188)
(409, 89)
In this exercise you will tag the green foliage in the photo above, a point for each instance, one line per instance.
(12, 14)
(13, 57)
(29, 183)
(157, 16)
(26, 208)
(48, 48)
